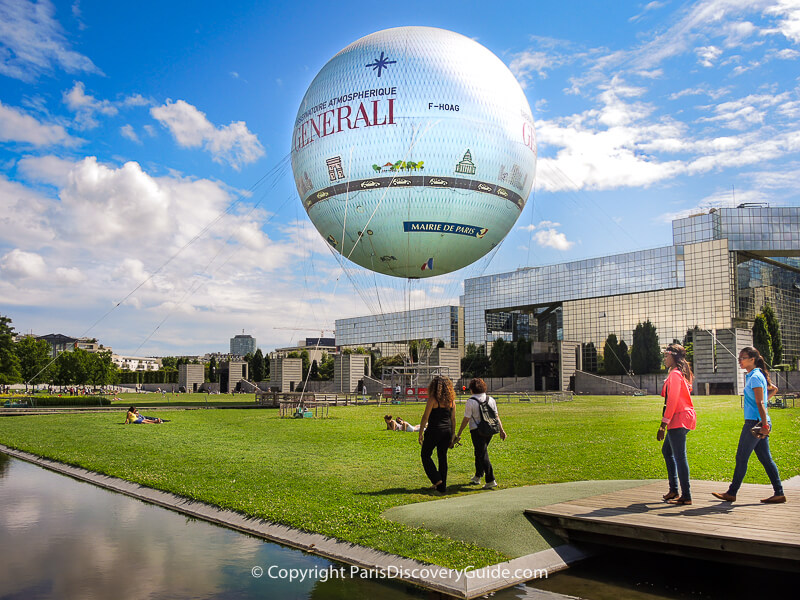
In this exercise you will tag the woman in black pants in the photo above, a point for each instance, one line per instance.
(436, 430)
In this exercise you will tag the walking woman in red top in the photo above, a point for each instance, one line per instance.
(677, 420)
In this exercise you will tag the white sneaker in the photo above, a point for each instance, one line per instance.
(490, 485)
(475, 480)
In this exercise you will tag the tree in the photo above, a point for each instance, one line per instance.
(326, 367)
(33, 357)
(475, 362)
(384, 361)
(257, 370)
(212, 370)
(774, 329)
(645, 353)
(522, 359)
(613, 363)
(440, 344)
(9, 363)
(501, 366)
(314, 374)
(100, 369)
(72, 368)
(762, 339)
(624, 357)
(589, 358)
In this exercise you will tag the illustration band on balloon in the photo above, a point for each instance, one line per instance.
(452, 183)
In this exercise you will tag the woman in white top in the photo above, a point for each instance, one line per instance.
(406, 426)
(480, 443)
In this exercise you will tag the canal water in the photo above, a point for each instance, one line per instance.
(62, 538)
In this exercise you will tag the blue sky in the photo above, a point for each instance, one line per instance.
(134, 132)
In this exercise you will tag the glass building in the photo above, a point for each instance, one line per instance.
(390, 333)
(242, 345)
(720, 270)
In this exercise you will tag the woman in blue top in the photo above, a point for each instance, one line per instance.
(757, 390)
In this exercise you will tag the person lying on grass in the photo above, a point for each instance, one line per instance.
(406, 426)
(391, 424)
(134, 417)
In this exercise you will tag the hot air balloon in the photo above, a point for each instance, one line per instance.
(414, 151)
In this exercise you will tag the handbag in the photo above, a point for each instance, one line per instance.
(756, 431)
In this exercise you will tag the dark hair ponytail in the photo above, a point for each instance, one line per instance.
(678, 354)
(760, 363)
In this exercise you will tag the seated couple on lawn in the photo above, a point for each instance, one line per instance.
(399, 424)
(134, 417)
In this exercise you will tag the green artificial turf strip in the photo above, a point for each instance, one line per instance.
(496, 518)
(336, 476)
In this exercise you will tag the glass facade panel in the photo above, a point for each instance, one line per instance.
(390, 332)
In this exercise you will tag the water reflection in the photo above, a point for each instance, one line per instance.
(63, 538)
(4, 461)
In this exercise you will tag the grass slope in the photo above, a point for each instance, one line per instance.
(336, 476)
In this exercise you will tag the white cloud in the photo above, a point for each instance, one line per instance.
(745, 112)
(70, 276)
(86, 106)
(546, 55)
(787, 54)
(706, 55)
(128, 132)
(24, 216)
(18, 126)
(553, 239)
(233, 144)
(45, 169)
(150, 130)
(136, 100)
(33, 43)
(22, 265)
(648, 7)
(720, 199)
(789, 13)
(546, 235)
(540, 225)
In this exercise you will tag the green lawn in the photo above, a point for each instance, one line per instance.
(336, 476)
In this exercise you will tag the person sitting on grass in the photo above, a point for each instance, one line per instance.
(406, 426)
(135, 418)
(391, 424)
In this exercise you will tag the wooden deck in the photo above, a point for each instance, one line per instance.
(745, 531)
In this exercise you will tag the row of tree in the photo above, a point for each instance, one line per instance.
(30, 361)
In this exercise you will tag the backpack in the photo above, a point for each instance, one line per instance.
(488, 424)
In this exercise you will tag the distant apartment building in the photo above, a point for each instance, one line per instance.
(136, 363)
(315, 347)
(242, 345)
(63, 343)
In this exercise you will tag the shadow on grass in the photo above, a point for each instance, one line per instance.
(425, 491)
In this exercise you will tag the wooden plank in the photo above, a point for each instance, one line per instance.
(744, 528)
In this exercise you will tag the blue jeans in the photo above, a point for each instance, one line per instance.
(747, 444)
(674, 451)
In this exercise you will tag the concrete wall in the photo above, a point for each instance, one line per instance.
(589, 383)
(190, 377)
(570, 353)
(447, 357)
(348, 369)
(285, 373)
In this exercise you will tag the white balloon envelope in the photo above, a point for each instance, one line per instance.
(414, 151)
